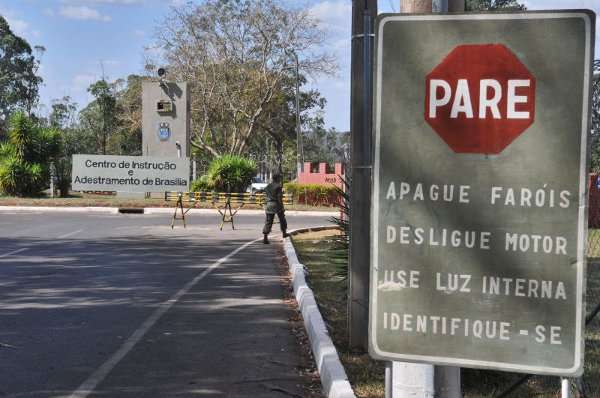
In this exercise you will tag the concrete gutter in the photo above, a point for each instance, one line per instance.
(333, 376)
(147, 210)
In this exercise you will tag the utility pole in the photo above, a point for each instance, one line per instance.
(363, 16)
(404, 380)
(299, 144)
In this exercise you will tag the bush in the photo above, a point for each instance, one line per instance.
(25, 158)
(202, 183)
(231, 173)
(20, 178)
(313, 194)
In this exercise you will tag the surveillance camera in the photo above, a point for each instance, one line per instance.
(163, 106)
(161, 72)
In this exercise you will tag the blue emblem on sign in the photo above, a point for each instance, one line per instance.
(164, 131)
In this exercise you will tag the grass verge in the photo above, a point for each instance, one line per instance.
(367, 376)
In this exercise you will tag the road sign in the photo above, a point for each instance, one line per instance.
(480, 98)
(129, 173)
(480, 186)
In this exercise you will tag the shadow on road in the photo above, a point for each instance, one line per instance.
(67, 305)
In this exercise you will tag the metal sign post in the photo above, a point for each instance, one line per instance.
(363, 15)
(480, 186)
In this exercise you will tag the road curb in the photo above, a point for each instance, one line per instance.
(149, 210)
(333, 376)
(170, 210)
(57, 209)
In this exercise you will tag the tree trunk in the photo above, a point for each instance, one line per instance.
(279, 156)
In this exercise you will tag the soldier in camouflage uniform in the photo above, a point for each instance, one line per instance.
(274, 205)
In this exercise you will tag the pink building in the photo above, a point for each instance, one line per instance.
(321, 174)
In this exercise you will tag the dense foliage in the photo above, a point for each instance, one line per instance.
(313, 194)
(202, 184)
(114, 117)
(19, 82)
(493, 5)
(63, 117)
(231, 173)
(25, 158)
(329, 146)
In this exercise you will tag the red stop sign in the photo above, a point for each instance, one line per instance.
(480, 98)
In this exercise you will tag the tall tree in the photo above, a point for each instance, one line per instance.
(19, 83)
(114, 117)
(63, 114)
(278, 121)
(73, 140)
(100, 116)
(236, 54)
(128, 137)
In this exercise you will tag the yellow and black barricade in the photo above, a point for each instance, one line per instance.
(227, 204)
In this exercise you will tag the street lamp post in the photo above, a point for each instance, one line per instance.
(299, 158)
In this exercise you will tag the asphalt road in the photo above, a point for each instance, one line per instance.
(123, 306)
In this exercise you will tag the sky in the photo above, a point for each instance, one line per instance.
(86, 39)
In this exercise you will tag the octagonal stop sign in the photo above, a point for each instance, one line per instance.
(480, 98)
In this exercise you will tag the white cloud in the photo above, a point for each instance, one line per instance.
(562, 4)
(116, 2)
(333, 15)
(334, 18)
(139, 33)
(154, 53)
(83, 13)
(83, 81)
(17, 25)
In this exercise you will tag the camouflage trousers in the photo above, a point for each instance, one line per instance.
(269, 222)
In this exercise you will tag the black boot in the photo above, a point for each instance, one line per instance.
(286, 235)
(266, 239)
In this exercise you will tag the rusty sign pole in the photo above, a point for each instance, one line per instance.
(404, 380)
(363, 16)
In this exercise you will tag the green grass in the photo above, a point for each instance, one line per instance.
(366, 375)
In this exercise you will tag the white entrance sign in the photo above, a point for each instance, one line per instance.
(129, 173)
